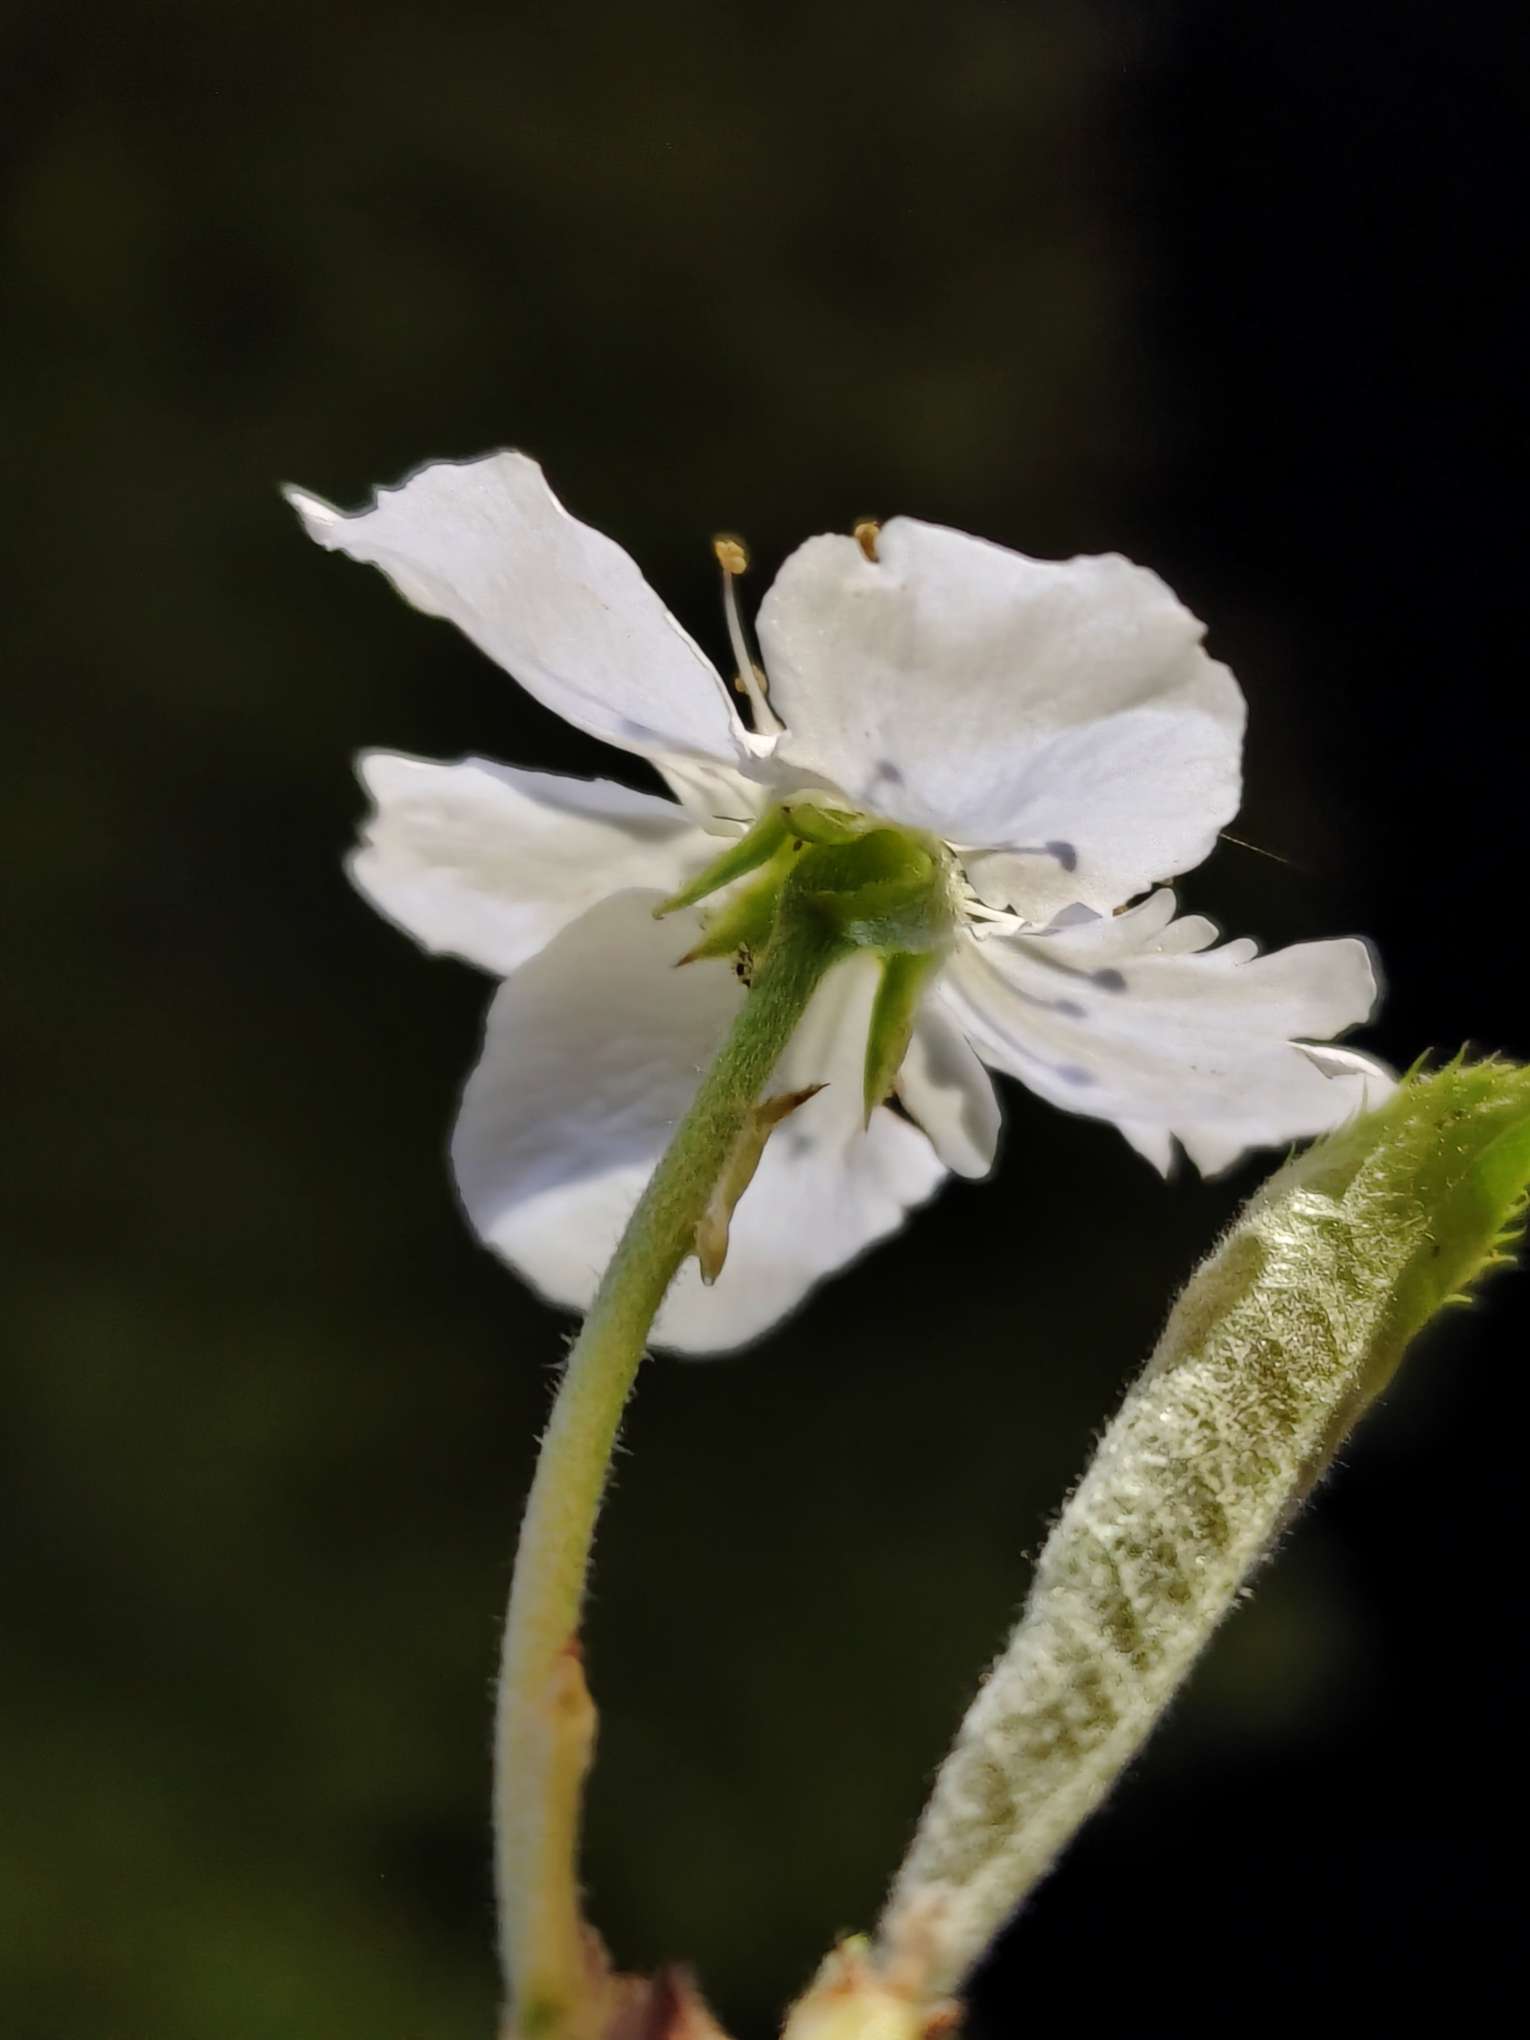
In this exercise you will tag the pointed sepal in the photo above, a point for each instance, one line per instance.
(810, 820)
(747, 853)
(741, 927)
(738, 1173)
(904, 976)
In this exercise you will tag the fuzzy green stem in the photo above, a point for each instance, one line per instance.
(1275, 1348)
(544, 1728)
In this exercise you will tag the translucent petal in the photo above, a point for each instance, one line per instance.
(1118, 1019)
(946, 1090)
(593, 1051)
(486, 544)
(488, 863)
(1060, 712)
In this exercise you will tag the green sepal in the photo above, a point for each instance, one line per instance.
(809, 821)
(742, 923)
(904, 976)
(754, 848)
(877, 887)
(760, 1122)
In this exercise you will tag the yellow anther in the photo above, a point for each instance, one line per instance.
(866, 537)
(733, 558)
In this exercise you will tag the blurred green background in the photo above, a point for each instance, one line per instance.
(1219, 287)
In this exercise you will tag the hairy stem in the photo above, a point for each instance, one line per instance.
(544, 1728)
(1279, 1342)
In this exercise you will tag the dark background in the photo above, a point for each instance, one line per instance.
(1222, 286)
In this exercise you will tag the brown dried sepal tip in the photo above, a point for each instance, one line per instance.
(665, 2007)
(738, 1173)
(866, 533)
(732, 555)
(568, 1694)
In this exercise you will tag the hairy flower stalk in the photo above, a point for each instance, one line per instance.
(1274, 1349)
(881, 888)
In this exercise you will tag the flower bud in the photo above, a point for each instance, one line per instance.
(1278, 1343)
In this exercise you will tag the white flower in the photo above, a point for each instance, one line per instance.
(1056, 724)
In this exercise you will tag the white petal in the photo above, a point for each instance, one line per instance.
(1060, 711)
(1119, 1018)
(723, 801)
(486, 862)
(947, 1091)
(486, 544)
(1190, 933)
(1155, 1144)
(592, 1053)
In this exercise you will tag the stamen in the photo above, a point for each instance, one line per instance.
(865, 532)
(1004, 917)
(734, 560)
(973, 908)
(1259, 851)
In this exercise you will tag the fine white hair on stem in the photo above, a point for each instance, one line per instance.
(1272, 1351)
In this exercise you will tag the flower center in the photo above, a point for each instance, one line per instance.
(881, 886)
(868, 885)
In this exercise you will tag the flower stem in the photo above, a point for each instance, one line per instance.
(545, 1726)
